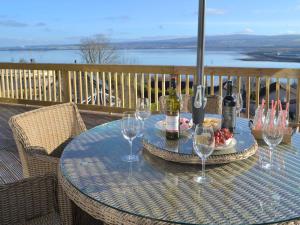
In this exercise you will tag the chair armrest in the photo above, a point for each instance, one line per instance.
(27, 199)
(79, 120)
(40, 153)
(35, 150)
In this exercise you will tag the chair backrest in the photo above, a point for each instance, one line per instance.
(213, 106)
(47, 127)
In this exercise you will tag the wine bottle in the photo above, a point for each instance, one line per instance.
(229, 109)
(172, 112)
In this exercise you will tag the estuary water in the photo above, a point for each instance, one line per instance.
(180, 57)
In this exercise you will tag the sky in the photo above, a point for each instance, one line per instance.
(35, 22)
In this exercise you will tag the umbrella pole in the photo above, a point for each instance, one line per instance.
(199, 100)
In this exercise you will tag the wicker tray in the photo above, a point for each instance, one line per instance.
(181, 151)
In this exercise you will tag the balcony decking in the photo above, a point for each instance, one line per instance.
(10, 165)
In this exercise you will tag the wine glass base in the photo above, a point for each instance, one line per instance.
(266, 166)
(202, 180)
(130, 158)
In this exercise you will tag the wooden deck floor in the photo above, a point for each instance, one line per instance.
(10, 166)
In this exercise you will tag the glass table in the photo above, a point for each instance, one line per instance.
(155, 191)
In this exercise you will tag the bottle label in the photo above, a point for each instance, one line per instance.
(229, 117)
(172, 123)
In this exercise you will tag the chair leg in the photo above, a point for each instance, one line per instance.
(65, 207)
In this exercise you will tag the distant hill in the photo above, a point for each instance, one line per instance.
(246, 43)
(255, 42)
(222, 42)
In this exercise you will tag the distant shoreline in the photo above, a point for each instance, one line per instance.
(265, 56)
(269, 57)
(163, 56)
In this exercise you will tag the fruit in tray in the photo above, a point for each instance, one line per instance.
(215, 123)
(223, 137)
(184, 124)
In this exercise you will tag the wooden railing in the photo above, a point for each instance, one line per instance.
(116, 88)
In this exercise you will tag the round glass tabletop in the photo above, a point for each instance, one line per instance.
(241, 192)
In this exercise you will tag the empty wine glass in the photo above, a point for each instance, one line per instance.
(204, 144)
(143, 111)
(272, 133)
(239, 103)
(130, 129)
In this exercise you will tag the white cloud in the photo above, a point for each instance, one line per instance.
(292, 32)
(248, 31)
(215, 11)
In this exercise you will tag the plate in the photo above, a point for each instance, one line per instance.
(231, 143)
(161, 125)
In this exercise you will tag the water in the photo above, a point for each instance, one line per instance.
(182, 57)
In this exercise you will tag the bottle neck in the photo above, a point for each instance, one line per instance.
(173, 86)
(229, 89)
(173, 83)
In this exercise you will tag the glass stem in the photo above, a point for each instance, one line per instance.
(271, 155)
(203, 168)
(130, 144)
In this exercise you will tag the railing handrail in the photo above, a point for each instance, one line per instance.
(33, 83)
(157, 69)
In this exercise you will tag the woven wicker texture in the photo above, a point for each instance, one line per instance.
(153, 190)
(40, 136)
(214, 104)
(40, 132)
(30, 201)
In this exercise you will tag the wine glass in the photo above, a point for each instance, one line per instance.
(143, 111)
(239, 106)
(204, 144)
(130, 129)
(239, 103)
(272, 133)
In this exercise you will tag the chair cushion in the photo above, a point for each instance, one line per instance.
(50, 219)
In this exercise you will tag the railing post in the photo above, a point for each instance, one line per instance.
(1, 85)
(298, 102)
(248, 96)
(212, 85)
(257, 98)
(65, 86)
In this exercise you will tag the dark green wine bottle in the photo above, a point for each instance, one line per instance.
(229, 109)
(172, 112)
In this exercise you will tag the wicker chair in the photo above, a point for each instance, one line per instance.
(213, 106)
(42, 134)
(31, 201)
